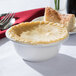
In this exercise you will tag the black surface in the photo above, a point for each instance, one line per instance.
(71, 6)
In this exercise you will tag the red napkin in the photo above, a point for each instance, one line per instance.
(25, 16)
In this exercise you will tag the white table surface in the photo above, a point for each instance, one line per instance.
(11, 64)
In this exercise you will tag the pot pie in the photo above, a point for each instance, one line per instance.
(68, 20)
(38, 32)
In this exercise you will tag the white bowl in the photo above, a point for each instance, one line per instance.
(36, 52)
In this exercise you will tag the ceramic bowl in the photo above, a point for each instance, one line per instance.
(36, 52)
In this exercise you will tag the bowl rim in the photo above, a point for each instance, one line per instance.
(36, 45)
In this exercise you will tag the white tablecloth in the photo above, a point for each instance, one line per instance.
(64, 64)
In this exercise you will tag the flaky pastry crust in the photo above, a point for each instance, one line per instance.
(38, 32)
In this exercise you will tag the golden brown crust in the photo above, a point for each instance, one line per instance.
(68, 20)
(52, 15)
(38, 32)
(66, 17)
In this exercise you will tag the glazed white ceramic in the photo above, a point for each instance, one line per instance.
(36, 52)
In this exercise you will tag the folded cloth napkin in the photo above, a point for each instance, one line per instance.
(25, 16)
